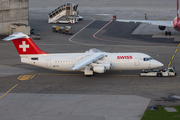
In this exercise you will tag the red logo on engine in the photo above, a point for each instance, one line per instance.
(124, 57)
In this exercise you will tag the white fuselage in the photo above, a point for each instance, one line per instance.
(118, 61)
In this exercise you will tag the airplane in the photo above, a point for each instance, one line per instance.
(162, 25)
(91, 61)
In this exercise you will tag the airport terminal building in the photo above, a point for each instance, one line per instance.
(14, 16)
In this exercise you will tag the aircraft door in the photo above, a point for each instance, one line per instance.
(149, 64)
(48, 63)
(136, 61)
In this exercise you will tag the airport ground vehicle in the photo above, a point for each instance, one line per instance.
(66, 13)
(37, 36)
(79, 18)
(159, 73)
(64, 30)
(70, 20)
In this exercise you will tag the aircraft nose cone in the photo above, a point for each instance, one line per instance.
(156, 64)
(160, 64)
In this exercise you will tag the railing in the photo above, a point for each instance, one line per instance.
(57, 11)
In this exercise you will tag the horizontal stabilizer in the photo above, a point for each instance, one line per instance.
(16, 36)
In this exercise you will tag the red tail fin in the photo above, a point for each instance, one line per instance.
(177, 10)
(24, 44)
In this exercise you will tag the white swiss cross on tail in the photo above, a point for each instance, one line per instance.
(24, 46)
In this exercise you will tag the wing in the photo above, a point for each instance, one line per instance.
(151, 22)
(87, 60)
(94, 50)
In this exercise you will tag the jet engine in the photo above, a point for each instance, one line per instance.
(99, 69)
(162, 27)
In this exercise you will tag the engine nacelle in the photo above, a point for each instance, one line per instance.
(162, 27)
(99, 69)
(107, 66)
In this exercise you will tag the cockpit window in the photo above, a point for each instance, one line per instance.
(150, 58)
(147, 59)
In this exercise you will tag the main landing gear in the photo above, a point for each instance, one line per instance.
(168, 32)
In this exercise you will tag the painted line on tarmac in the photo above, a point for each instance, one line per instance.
(176, 50)
(58, 74)
(70, 39)
(173, 55)
(92, 76)
(25, 77)
(8, 91)
(106, 39)
(169, 64)
(100, 30)
(114, 40)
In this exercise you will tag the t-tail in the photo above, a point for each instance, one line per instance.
(24, 44)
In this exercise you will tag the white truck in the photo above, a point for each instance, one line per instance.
(69, 20)
(159, 73)
(79, 17)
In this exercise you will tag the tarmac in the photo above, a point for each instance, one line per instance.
(34, 93)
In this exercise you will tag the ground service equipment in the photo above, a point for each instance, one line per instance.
(159, 73)
(64, 30)
(66, 13)
(37, 36)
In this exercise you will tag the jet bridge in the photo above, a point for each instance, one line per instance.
(63, 12)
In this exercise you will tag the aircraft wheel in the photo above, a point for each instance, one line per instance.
(166, 33)
(169, 33)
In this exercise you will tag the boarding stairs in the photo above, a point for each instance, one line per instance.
(56, 14)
